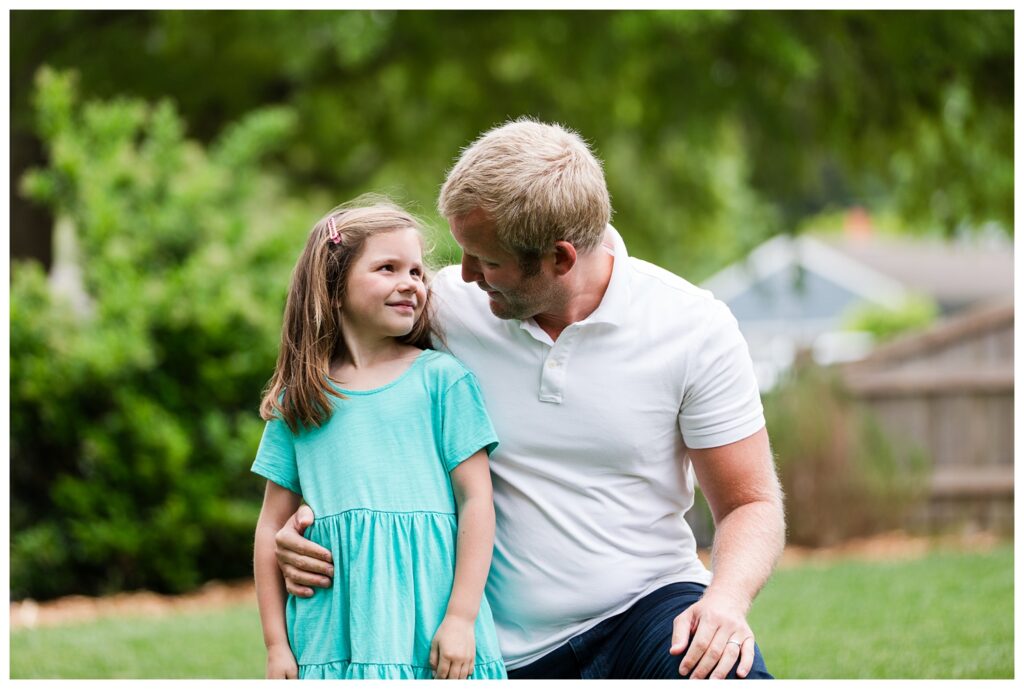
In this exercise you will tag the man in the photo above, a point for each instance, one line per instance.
(606, 378)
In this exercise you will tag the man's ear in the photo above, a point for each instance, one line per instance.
(565, 257)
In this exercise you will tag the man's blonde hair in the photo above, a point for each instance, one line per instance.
(539, 183)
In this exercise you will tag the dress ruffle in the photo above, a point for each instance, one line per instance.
(346, 670)
(393, 573)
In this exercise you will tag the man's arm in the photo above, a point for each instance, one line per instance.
(745, 497)
(303, 563)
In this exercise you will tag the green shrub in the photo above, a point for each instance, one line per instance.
(915, 313)
(842, 475)
(134, 400)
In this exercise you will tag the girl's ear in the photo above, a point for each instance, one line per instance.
(565, 257)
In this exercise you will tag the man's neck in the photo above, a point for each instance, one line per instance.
(585, 289)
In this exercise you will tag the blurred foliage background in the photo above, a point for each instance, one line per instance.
(177, 159)
(843, 476)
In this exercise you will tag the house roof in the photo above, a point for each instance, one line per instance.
(774, 265)
(877, 268)
(953, 274)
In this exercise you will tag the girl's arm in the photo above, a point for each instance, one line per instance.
(278, 504)
(454, 647)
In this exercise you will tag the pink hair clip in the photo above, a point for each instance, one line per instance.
(332, 230)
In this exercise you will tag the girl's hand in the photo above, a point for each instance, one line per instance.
(281, 663)
(453, 649)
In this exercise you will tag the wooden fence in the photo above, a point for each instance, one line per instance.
(949, 392)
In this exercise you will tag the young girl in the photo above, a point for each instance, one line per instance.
(387, 441)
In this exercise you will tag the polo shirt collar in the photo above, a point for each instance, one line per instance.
(615, 302)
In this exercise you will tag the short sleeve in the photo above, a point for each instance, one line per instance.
(275, 458)
(465, 425)
(721, 403)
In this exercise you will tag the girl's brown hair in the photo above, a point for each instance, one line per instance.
(311, 333)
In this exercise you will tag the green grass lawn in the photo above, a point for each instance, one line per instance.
(948, 615)
(225, 643)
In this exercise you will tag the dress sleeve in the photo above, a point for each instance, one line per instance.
(275, 458)
(465, 425)
(721, 404)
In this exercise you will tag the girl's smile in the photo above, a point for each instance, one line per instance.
(408, 307)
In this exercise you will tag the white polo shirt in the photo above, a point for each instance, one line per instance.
(591, 477)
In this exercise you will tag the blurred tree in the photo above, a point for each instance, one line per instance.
(133, 403)
(718, 128)
(134, 418)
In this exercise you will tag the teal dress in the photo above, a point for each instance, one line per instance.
(376, 477)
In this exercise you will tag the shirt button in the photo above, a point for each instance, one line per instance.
(552, 364)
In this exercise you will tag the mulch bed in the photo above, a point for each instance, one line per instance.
(71, 609)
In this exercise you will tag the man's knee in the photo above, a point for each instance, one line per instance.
(638, 647)
(659, 665)
(640, 644)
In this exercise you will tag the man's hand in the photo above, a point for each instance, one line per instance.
(720, 634)
(303, 563)
(453, 649)
(281, 663)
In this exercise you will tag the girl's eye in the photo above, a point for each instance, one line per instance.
(416, 272)
(388, 267)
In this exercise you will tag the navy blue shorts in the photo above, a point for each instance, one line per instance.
(631, 645)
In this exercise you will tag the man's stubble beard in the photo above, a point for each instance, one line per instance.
(538, 299)
(506, 310)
